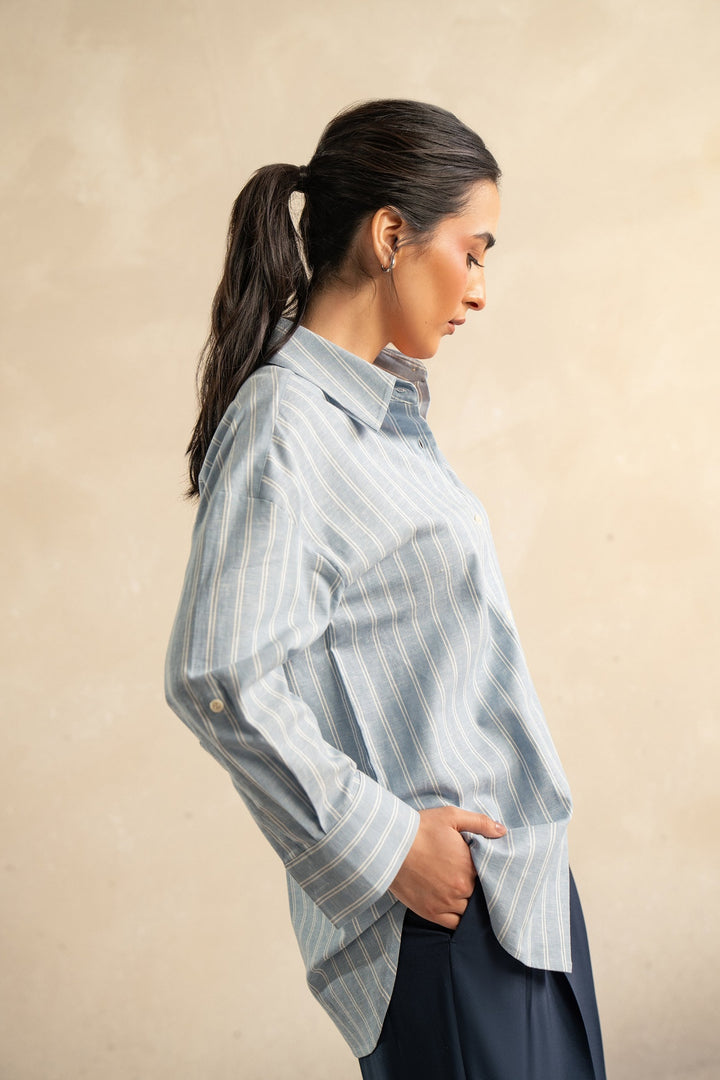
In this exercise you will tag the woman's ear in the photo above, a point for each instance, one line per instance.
(385, 228)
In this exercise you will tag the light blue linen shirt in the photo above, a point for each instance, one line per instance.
(344, 647)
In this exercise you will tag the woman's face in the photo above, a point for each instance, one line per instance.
(437, 282)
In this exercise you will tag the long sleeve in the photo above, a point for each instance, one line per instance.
(255, 594)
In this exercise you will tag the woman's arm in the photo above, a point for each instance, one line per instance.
(255, 593)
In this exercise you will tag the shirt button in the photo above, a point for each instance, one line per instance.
(478, 518)
(217, 705)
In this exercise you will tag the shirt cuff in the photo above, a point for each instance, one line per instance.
(356, 862)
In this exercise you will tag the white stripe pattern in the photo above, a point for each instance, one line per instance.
(344, 647)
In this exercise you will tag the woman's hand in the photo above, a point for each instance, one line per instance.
(438, 876)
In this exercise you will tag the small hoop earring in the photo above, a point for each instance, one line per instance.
(390, 266)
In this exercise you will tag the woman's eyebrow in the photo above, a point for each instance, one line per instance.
(487, 237)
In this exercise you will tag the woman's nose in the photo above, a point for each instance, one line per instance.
(475, 293)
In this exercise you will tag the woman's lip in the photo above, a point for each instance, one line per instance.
(452, 323)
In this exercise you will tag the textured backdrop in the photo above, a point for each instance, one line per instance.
(143, 916)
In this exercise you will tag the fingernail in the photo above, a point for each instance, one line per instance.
(499, 824)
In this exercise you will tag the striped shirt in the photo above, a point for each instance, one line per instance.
(344, 647)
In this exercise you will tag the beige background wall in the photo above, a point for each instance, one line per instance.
(143, 917)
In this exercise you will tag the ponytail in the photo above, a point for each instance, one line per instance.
(263, 279)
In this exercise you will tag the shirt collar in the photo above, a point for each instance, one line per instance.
(363, 390)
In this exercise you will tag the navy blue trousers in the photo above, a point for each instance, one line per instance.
(463, 1009)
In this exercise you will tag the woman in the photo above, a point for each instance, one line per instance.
(344, 645)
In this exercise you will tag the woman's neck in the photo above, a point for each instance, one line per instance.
(349, 317)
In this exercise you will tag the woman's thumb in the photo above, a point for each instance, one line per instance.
(468, 821)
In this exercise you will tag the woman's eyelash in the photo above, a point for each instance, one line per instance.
(473, 260)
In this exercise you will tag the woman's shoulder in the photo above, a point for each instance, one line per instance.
(264, 422)
(268, 392)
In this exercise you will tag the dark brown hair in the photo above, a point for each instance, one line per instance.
(417, 158)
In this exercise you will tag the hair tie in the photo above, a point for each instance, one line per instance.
(302, 179)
